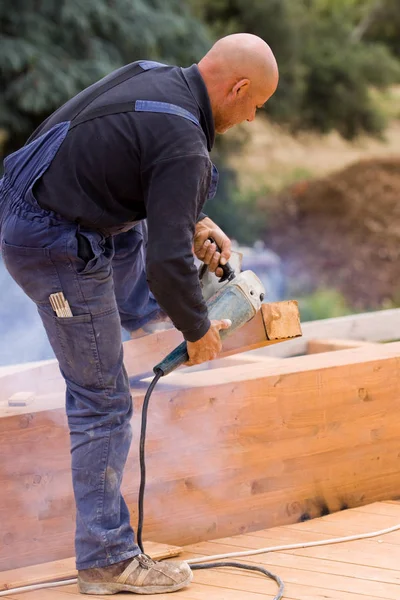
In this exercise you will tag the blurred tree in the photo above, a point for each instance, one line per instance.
(385, 26)
(277, 21)
(340, 69)
(52, 49)
(326, 65)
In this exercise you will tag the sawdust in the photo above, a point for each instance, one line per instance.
(342, 231)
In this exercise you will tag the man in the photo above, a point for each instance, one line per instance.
(134, 146)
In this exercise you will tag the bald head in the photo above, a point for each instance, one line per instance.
(241, 74)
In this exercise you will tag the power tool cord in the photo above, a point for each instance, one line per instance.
(142, 460)
(142, 457)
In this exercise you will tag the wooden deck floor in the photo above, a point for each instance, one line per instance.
(358, 570)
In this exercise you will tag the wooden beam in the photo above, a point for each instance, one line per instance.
(244, 448)
(234, 360)
(316, 346)
(276, 322)
(379, 326)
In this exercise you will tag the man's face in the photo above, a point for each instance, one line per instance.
(241, 107)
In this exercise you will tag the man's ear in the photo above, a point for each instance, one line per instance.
(241, 87)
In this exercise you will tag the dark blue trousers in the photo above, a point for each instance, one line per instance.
(103, 279)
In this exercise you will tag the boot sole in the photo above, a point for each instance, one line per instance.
(114, 588)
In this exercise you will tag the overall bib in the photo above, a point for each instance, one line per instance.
(102, 275)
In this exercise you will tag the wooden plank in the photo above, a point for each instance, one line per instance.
(225, 583)
(237, 587)
(15, 368)
(294, 560)
(300, 582)
(275, 322)
(381, 508)
(369, 553)
(65, 569)
(235, 360)
(297, 581)
(201, 591)
(253, 446)
(378, 326)
(306, 577)
(355, 552)
(324, 345)
(194, 592)
(281, 319)
(335, 530)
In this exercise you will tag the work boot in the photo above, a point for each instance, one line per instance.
(139, 575)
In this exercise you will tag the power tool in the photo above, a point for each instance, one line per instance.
(239, 299)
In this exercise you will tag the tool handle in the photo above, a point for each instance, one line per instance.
(230, 304)
(228, 272)
(175, 359)
(178, 357)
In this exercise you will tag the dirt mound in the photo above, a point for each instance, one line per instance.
(342, 231)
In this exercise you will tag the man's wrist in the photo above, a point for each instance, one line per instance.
(194, 335)
(201, 217)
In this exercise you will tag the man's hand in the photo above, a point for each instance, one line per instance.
(209, 346)
(206, 251)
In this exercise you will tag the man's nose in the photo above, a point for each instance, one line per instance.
(252, 117)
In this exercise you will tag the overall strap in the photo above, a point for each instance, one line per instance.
(165, 107)
(73, 108)
(138, 105)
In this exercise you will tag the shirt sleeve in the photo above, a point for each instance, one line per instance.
(176, 190)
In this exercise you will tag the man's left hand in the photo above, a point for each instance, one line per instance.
(207, 251)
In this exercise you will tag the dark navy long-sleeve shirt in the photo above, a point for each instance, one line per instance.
(124, 167)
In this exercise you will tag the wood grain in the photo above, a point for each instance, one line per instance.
(140, 355)
(334, 344)
(229, 451)
(378, 326)
(348, 571)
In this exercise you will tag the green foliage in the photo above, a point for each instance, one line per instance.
(324, 303)
(326, 65)
(237, 213)
(52, 49)
(330, 52)
(385, 27)
(337, 81)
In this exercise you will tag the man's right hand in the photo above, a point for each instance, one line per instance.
(209, 346)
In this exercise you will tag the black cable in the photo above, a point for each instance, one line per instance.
(212, 565)
(146, 400)
(236, 565)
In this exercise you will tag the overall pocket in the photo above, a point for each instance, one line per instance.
(32, 269)
(91, 251)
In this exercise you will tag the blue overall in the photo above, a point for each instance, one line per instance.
(102, 275)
